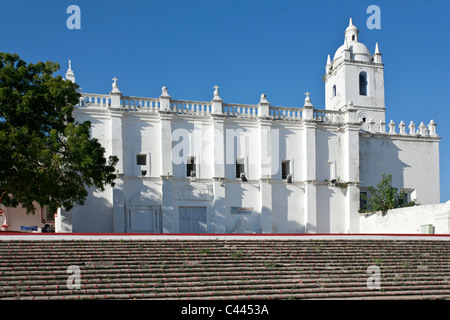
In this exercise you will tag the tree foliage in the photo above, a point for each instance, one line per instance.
(45, 155)
(385, 197)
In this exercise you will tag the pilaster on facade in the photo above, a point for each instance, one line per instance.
(351, 169)
(167, 206)
(351, 146)
(118, 205)
(266, 206)
(351, 207)
(310, 208)
(218, 162)
(217, 158)
(309, 166)
(116, 132)
(266, 166)
(219, 204)
(166, 142)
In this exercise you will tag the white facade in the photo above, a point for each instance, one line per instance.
(216, 167)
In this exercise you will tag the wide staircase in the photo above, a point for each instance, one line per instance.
(224, 269)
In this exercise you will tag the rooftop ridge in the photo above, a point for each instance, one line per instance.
(241, 110)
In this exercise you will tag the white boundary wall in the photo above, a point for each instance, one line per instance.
(205, 237)
(408, 220)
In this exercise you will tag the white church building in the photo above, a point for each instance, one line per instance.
(218, 167)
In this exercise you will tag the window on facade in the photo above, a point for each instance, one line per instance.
(363, 200)
(141, 159)
(285, 169)
(190, 167)
(47, 214)
(239, 167)
(406, 196)
(334, 91)
(353, 37)
(363, 84)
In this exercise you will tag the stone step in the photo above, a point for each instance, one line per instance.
(217, 269)
(236, 294)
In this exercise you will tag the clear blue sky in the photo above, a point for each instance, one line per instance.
(247, 47)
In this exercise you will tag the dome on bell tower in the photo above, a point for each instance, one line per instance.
(358, 51)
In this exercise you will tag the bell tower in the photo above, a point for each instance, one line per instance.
(355, 75)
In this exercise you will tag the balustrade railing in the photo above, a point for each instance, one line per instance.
(190, 107)
(286, 113)
(95, 100)
(329, 116)
(240, 110)
(140, 104)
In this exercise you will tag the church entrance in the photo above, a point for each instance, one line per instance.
(192, 219)
(143, 219)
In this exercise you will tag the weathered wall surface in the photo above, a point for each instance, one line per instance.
(413, 163)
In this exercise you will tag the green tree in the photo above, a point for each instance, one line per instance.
(385, 197)
(45, 155)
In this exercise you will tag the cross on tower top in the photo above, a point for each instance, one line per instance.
(115, 86)
(308, 100)
(216, 92)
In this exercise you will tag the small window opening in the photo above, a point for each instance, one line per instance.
(141, 159)
(47, 214)
(190, 167)
(405, 198)
(334, 91)
(239, 167)
(363, 200)
(285, 169)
